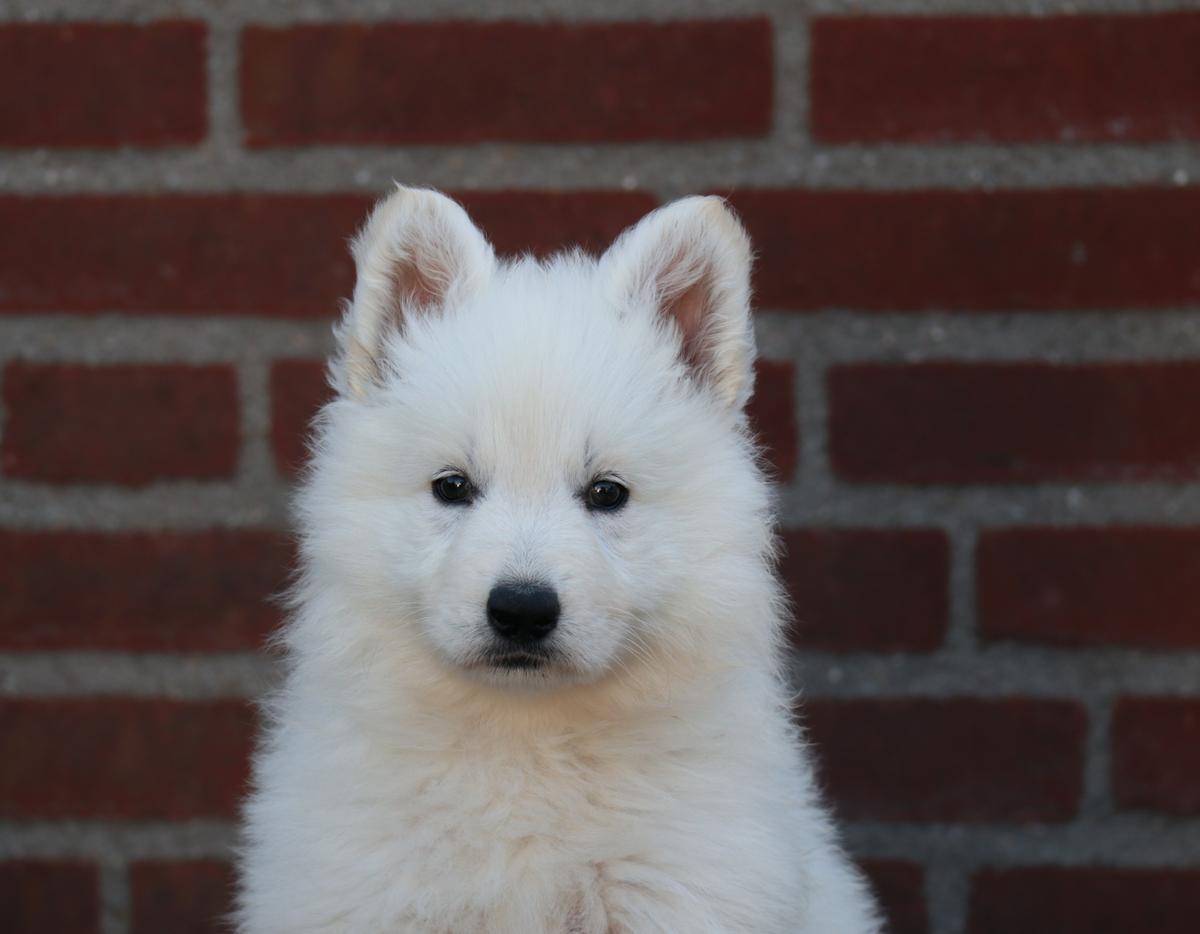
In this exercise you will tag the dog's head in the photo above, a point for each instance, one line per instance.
(538, 473)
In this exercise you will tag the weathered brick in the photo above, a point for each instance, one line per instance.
(186, 897)
(254, 254)
(1090, 586)
(773, 414)
(121, 758)
(85, 84)
(545, 82)
(298, 390)
(868, 589)
(125, 424)
(1013, 423)
(140, 591)
(900, 888)
(924, 79)
(956, 759)
(1084, 900)
(1156, 754)
(39, 897)
(1058, 249)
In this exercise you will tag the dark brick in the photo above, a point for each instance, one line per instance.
(868, 589)
(298, 390)
(124, 759)
(86, 84)
(125, 424)
(773, 414)
(975, 250)
(900, 888)
(1013, 423)
(281, 255)
(390, 83)
(958, 759)
(923, 79)
(140, 591)
(192, 897)
(1085, 900)
(1156, 754)
(1091, 586)
(49, 897)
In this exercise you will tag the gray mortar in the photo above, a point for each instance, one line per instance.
(257, 498)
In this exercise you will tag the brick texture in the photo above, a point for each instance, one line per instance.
(1012, 423)
(1077, 587)
(985, 78)
(868, 589)
(85, 84)
(1062, 249)
(280, 255)
(140, 591)
(1156, 754)
(298, 390)
(192, 897)
(546, 82)
(773, 415)
(977, 278)
(961, 759)
(900, 888)
(121, 758)
(49, 897)
(1084, 900)
(127, 424)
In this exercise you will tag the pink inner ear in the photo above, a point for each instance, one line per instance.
(689, 309)
(412, 285)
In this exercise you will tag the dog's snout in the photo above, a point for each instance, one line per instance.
(523, 612)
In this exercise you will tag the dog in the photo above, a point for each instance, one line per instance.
(533, 657)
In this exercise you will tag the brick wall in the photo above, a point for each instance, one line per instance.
(980, 290)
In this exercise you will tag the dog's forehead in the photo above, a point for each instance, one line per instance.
(542, 374)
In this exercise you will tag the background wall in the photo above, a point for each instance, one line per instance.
(980, 291)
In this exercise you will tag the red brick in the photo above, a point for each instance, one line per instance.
(103, 84)
(773, 414)
(921, 79)
(1014, 423)
(1156, 754)
(298, 390)
(1091, 586)
(900, 888)
(126, 424)
(545, 82)
(1085, 900)
(121, 758)
(957, 759)
(975, 250)
(193, 897)
(139, 591)
(868, 589)
(281, 255)
(49, 898)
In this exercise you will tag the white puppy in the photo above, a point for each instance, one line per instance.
(533, 673)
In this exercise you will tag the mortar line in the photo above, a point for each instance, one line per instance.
(115, 896)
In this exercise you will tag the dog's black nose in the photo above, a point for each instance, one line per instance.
(523, 612)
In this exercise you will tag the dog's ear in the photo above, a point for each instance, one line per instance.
(417, 254)
(689, 263)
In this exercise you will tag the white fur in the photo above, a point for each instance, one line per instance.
(651, 780)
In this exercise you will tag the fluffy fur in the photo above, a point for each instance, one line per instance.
(647, 779)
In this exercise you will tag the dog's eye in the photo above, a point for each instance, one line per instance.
(606, 494)
(453, 488)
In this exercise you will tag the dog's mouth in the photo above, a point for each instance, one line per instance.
(502, 658)
(520, 661)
